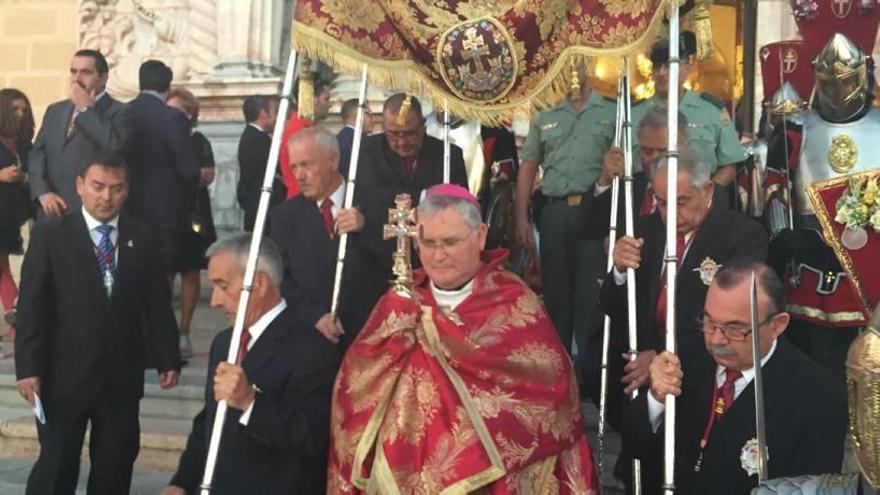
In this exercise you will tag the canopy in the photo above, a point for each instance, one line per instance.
(487, 58)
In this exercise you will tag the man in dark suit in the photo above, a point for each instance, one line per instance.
(164, 170)
(404, 159)
(92, 286)
(653, 134)
(710, 234)
(277, 430)
(72, 131)
(307, 229)
(345, 136)
(253, 155)
(805, 408)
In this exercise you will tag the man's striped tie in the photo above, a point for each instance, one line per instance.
(105, 252)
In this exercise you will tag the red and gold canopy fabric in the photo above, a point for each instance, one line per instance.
(486, 58)
(862, 266)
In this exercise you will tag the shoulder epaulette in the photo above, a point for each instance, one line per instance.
(714, 100)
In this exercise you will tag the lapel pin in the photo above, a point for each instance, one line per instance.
(130, 243)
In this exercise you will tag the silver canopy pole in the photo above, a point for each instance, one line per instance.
(250, 269)
(761, 435)
(671, 259)
(606, 328)
(447, 147)
(632, 323)
(349, 191)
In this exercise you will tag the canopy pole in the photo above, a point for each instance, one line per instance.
(250, 269)
(671, 259)
(349, 192)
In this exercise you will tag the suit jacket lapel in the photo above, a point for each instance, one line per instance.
(654, 252)
(125, 249)
(84, 250)
(64, 120)
(265, 349)
(702, 240)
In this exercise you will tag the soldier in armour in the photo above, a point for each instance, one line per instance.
(838, 137)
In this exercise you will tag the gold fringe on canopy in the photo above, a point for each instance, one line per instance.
(323, 40)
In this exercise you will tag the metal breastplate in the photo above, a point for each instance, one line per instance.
(831, 150)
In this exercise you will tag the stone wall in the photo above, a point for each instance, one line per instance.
(38, 38)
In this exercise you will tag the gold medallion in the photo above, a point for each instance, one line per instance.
(843, 154)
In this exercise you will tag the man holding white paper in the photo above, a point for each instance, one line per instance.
(93, 290)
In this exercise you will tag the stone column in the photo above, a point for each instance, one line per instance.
(249, 38)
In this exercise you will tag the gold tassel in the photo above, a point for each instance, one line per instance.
(703, 28)
(403, 113)
(396, 76)
(305, 99)
(575, 79)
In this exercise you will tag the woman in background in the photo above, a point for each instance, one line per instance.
(16, 133)
(191, 259)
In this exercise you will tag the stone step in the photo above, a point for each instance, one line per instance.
(182, 402)
(14, 474)
(162, 440)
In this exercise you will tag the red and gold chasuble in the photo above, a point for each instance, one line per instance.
(479, 399)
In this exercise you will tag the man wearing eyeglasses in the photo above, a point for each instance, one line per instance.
(404, 159)
(462, 375)
(805, 408)
(709, 235)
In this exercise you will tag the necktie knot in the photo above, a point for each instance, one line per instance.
(105, 229)
(731, 376)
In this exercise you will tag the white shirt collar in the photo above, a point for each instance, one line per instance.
(263, 322)
(154, 94)
(338, 196)
(747, 375)
(100, 95)
(93, 223)
(452, 298)
(257, 127)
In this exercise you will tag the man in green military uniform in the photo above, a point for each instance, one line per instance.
(568, 142)
(710, 130)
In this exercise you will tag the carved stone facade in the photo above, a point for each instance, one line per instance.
(184, 35)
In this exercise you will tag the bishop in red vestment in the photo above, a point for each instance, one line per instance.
(460, 384)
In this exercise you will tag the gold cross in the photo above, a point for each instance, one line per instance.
(402, 226)
(475, 47)
(789, 61)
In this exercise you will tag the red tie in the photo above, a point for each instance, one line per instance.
(242, 346)
(327, 214)
(722, 398)
(726, 391)
(648, 206)
(660, 311)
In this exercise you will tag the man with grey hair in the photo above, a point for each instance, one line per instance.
(652, 138)
(468, 349)
(709, 234)
(278, 390)
(307, 229)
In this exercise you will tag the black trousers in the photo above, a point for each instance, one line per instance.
(114, 442)
(570, 271)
